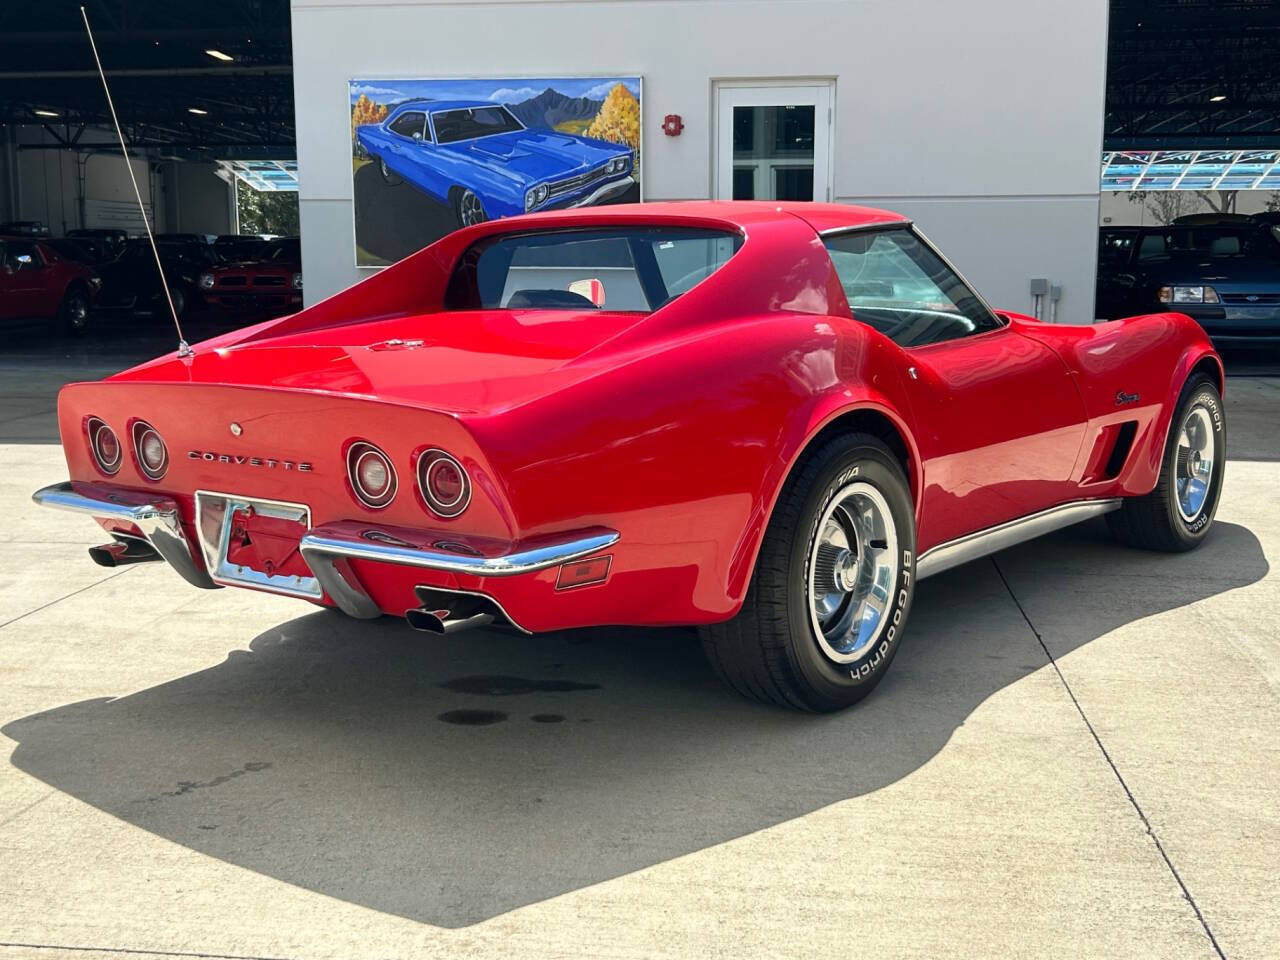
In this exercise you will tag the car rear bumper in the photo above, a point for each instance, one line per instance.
(328, 549)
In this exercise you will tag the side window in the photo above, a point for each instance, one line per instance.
(21, 255)
(407, 124)
(897, 285)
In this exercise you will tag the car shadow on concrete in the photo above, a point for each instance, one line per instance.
(449, 781)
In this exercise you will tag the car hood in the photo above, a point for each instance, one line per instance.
(1256, 274)
(466, 362)
(537, 155)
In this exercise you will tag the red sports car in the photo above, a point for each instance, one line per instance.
(766, 420)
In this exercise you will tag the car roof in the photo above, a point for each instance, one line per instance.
(435, 105)
(822, 217)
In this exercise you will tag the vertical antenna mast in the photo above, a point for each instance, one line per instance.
(183, 349)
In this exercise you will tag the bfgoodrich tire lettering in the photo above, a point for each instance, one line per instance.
(1168, 518)
(772, 651)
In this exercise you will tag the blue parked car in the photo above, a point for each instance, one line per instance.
(476, 157)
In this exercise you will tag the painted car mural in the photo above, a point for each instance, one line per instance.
(484, 163)
(442, 154)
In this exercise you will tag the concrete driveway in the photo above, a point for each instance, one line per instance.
(1077, 753)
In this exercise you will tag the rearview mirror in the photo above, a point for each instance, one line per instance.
(417, 136)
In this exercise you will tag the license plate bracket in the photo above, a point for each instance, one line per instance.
(251, 542)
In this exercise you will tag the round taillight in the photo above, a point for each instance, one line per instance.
(443, 483)
(104, 445)
(152, 454)
(372, 476)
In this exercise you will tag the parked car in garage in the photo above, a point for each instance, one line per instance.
(269, 279)
(114, 239)
(38, 283)
(476, 157)
(237, 247)
(24, 228)
(1226, 277)
(88, 250)
(769, 420)
(132, 282)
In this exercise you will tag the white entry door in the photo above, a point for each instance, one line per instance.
(773, 142)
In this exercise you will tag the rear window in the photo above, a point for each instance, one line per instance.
(631, 270)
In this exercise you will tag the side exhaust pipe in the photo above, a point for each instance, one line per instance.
(123, 550)
(431, 621)
(446, 611)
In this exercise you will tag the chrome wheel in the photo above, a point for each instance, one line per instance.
(77, 311)
(470, 210)
(1196, 455)
(852, 570)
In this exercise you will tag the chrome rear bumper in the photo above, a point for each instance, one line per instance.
(156, 517)
(327, 549)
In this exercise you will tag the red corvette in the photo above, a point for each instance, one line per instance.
(767, 420)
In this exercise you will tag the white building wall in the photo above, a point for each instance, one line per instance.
(983, 121)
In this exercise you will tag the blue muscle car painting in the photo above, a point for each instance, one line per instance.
(504, 149)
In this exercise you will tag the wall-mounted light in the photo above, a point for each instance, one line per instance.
(197, 111)
(219, 55)
(1218, 98)
(46, 113)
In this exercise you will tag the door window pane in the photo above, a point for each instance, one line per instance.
(900, 287)
(773, 152)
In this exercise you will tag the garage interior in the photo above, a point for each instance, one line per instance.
(1076, 754)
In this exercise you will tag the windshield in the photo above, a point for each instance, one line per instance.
(1211, 242)
(634, 269)
(471, 122)
(283, 251)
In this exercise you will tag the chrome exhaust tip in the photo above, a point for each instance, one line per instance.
(432, 621)
(448, 611)
(123, 550)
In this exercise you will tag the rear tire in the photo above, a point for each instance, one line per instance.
(73, 313)
(828, 601)
(1177, 514)
(387, 174)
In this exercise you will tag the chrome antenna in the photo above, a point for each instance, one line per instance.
(184, 350)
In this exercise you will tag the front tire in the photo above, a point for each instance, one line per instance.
(828, 602)
(73, 313)
(1177, 514)
(468, 209)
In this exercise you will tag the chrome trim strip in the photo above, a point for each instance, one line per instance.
(974, 545)
(328, 551)
(860, 227)
(604, 193)
(157, 517)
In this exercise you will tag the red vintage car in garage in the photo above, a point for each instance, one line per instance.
(38, 283)
(266, 276)
(767, 420)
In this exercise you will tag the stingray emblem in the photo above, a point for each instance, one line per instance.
(1123, 399)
